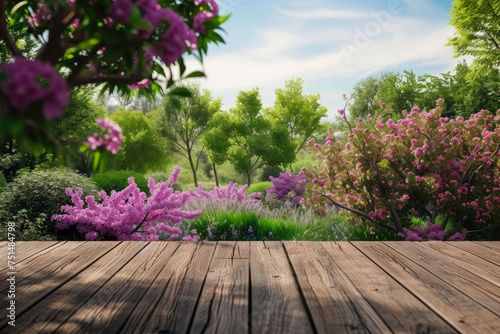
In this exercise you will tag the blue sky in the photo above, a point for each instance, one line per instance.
(331, 44)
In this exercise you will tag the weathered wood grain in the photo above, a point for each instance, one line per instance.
(335, 303)
(478, 249)
(277, 305)
(25, 250)
(43, 282)
(232, 250)
(482, 291)
(489, 244)
(468, 261)
(109, 308)
(47, 315)
(223, 304)
(169, 303)
(41, 260)
(459, 310)
(399, 309)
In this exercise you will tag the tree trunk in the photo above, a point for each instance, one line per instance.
(215, 174)
(193, 169)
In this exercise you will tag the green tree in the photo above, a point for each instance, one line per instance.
(247, 139)
(364, 98)
(300, 113)
(463, 97)
(142, 149)
(477, 33)
(79, 122)
(183, 121)
(398, 90)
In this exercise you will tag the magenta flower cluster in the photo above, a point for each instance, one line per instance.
(111, 140)
(287, 185)
(173, 43)
(34, 81)
(432, 232)
(129, 214)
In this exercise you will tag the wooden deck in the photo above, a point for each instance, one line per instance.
(254, 287)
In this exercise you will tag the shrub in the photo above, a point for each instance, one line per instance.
(259, 188)
(299, 164)
(37, 193)
(129, 214)
(268, 171)
(423, 165)
(287, 186)
(118, 180)
(3, 181)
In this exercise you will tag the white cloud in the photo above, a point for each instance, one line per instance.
(323, 13)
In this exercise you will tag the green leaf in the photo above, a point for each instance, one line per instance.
(97, 158)
(181, 91)
(196, 74)
(84, 148)
(85, 45)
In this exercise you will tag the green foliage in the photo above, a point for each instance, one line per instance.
(259, 187)
(477, 33)
(247, 139)
(184, 118)
(142, 148)
(41, 194)
(403, 91)
(78, 123)
(463, 97)
(24, 228)
(118, 180)
(299, 113)
(269, 170)
(235, 226)
(298, 165)
(3, 181)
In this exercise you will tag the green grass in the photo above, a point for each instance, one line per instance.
(216, 226)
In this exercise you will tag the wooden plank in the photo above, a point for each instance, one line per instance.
(478, 250)
(483, 292)
(277, 305)
(223, 304)
(399, 309)
(47, 315)
(459, 310)
(41, 260)
(27, 249)
(109, 308)
(232, 250)
(335, 304)
(468, 261)
(169, 304)
(43, 282)
(489, 244)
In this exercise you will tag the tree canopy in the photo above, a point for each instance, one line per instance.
(183, 120)
(248, 139)
(300, 113)
(477, 33)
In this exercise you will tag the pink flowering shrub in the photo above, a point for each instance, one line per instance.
(431, 232)
(423, 165)
(129, 214)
